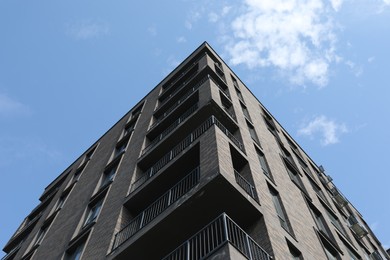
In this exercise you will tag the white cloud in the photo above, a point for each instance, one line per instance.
(356, 69)
(181, 39)
(386, 2)
(328, 130)
(152, 30)
(87, 29)
(336, 4)
(192, 18)
(295, 36)
(213, 17)
(11, 107)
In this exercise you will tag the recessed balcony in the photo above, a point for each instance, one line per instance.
(213, 195)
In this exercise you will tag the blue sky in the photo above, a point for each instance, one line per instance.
(70, 69)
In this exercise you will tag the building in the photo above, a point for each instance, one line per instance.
(198, 169)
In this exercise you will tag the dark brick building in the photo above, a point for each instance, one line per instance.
(198, 169)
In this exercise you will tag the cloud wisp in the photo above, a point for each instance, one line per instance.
(297, 37)
(10, 107)
(87, 29)
(327, 130)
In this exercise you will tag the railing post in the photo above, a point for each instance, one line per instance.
(249, 246)
(169, 197)
(188, 250)
(114, 244)
(225, 228)
(142, 219)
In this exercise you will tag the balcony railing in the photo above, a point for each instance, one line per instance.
(219, 232)
(182, 85)
(225, 91)
(248, 187)
(157, 207)
(181, 100)
(170, 128)
(195, 63)
(229, 135)
(186, 142)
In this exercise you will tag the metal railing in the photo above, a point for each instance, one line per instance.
(246, 185)
(219, 232)
(170, 128)
(229, 135)
(164, 160)
(181, 86)
(157, 207)
(225, 91)
(186, 142)
(177, 103)
(195, 63)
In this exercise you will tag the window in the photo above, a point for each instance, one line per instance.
(245, 112)
(336, 222)
(137, 111)
(294, 252)
(77, 174)
(263, 163)
(319, 192)
(239, 95)
(332, 255)
(252, 132)
(280, 209)
(93, 212)
(129, 129)
(294, 176)
(75, 252)
(235, 83)
(120, 148)
(40, 235)
(226, 104)
(61, 200)
(305, 168)
(108, 176)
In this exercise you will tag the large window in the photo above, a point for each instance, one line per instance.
(40, 235)
(263, 163)
(93, 212)
(280, 210)
(336, 222)
(252, 132)
(294, 252)
(75, 252)
(245, 111)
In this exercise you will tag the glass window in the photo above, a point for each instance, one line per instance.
(279, 209)
(40, 235)
(93, 212)
(245, 111)
(330, 255)
(263, 163)
(75, 253)
(252, 132)
(108, 176)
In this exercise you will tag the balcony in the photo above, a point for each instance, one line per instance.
(168, 86)
(170, 128)
(357, 227)
(213, 237)
(163, 229)
(338, 197)
(182, 145)
(157, 207)
(246, 186)
(170, 92)
(165, 109)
